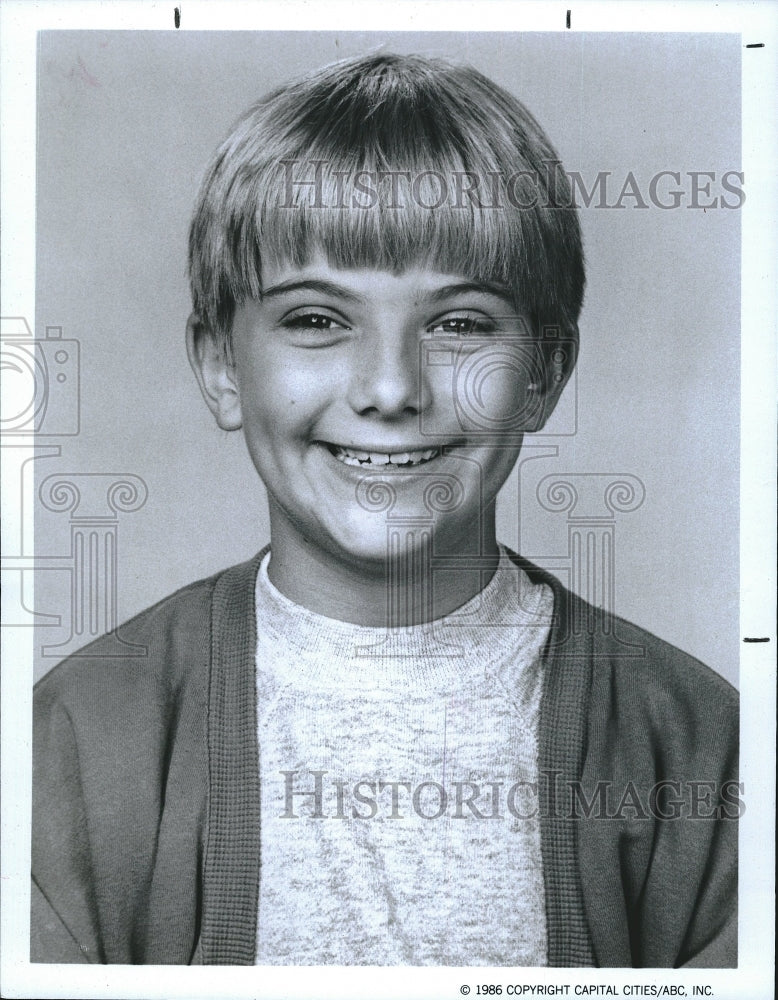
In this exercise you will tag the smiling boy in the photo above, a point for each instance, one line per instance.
(328, 380)
(386, 739)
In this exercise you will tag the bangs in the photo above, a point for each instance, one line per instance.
(413, 164)
(357, 220)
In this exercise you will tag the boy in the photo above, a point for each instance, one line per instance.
(386, 739)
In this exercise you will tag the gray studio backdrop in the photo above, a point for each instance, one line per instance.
(126, 123)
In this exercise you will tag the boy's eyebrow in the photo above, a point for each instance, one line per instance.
(325, 287)
(310, 285)
(463, 287)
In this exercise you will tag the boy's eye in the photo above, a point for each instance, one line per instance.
(463, 326)
(312, 328)
(313, 321)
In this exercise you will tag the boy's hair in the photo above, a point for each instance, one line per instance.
(407, 160)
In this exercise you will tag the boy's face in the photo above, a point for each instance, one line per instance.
(370, 398)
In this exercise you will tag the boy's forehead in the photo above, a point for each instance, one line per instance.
(418, 278)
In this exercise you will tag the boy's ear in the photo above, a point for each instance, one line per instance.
(557, 357)
(215, 374)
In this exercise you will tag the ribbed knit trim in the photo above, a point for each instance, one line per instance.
(232, 856)
(564, 707)
(231, 864)
(561, 747)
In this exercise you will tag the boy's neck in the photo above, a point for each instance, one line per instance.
(411, 589)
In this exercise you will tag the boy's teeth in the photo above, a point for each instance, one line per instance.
(356, 457)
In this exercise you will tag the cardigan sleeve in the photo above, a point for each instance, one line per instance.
(50, 938)
(64, 924)
(659, 868)
(721, 950)
(120, 791)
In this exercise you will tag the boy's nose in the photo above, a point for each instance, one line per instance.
(387, 379)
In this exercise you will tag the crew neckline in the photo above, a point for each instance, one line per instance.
(482, 631)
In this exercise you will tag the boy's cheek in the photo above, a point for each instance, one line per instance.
(486, 397)
(282, 390)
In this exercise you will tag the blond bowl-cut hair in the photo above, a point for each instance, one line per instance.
(388, 161)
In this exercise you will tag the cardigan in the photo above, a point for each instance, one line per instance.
(146, 820)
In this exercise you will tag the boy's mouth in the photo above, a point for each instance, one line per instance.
(377, 459)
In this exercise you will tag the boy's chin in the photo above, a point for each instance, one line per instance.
(376, 544)
(377, 548)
